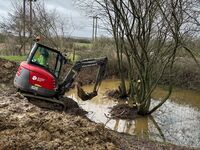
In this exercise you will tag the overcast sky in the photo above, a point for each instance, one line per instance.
(66, 9)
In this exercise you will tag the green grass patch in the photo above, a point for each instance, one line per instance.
(83, 46)
(70, 57)
(15, 58)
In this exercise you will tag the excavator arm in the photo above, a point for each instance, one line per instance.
(76, 68)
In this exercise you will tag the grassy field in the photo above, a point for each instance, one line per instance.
(70, 57)
(82, 46)
(14, 58)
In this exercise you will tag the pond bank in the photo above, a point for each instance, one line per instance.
(177, 121)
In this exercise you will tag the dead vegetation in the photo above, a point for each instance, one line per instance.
(113, 94)
(123, 111)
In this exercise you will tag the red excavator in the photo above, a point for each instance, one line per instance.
(38, 77)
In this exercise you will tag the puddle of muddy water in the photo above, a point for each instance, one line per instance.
(177, 121)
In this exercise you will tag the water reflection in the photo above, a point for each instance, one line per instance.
(158, 128)
(177, 121)
(139, 127)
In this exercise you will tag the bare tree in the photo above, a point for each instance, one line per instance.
(150, 34)
(13, 25)
(47, 24)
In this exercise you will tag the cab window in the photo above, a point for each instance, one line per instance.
(47, 59)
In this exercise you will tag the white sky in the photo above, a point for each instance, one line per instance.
(66, 9)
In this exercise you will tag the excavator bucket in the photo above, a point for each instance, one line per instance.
(83, 95)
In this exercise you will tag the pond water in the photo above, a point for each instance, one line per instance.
(177, 121)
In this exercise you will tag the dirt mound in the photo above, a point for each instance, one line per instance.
(8, 70)
(23, 125)
(116, 94)
(123, 111)
(113, 94)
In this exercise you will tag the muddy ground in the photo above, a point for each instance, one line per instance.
(7, 71)
(27, 126)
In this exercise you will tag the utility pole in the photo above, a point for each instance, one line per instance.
(30, 23)
(31, 20)
(24, 26)
(94, 28)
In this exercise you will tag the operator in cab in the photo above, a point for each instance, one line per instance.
(41, 56)
(44, 55)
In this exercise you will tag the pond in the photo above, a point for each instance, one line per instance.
(177, 121)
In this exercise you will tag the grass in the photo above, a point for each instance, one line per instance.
(82, 46)
(14, 58)
(70, 57)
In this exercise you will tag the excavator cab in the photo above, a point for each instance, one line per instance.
(38, 77)
(46, 58)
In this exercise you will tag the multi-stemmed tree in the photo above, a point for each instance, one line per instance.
(149, 35)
